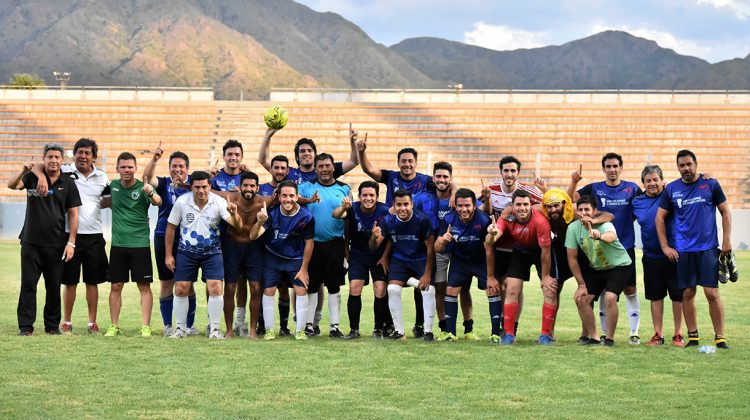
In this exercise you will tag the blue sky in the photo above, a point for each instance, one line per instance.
(714, 30)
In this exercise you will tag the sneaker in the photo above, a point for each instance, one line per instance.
(388, 330)
(178, 333)
(545, 340)
(168, 330)
(309, 330)
(429, 337)
(678, 340)
(693, 340)
(447, 336)
(25, 333)
(723, 268)
(301, 335)
(471, 336)
(53, 331)
(417, 331)
(335, 332)
(284, 332)
(377, 334)
(216, 335)
(261, 330)
(634, 340)
(721, 342)
(508, 339)
(656, 340)
(241, 330)
(92, 329)
(191, 331)
(67, 328)
(602, 338)
(316, 330)
(495, 339)
(146, 331)
(583, 340)
(396, 336)
(112, 331)
(270, 335)
(353, 335)
(592, 342)
(608, 342)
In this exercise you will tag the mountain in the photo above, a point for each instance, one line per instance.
(608, 60)
(725, 75)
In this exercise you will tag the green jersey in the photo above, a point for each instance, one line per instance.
(601, 255)
(130, 227)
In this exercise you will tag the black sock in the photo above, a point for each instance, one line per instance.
(468, 326)
(283, 313)
(515, 329)
(382, 313)
(441, 325)
(354, 308)
(419, 307)
(693, 334)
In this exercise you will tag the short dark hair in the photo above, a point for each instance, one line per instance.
(442, 165)
(407, 150)
(231, 143)
(299, 143)
(685, 152)
(55, 147)
(520, 193)
(249, 175)
(651, 169)
(280, 158)
(509, 159)
(287, 183)
(466, 193)
(401, 193)
(587, 199)
(323, 156)
(611, 155)
(200, 176)
(126, 156)
(180, 155)
(84, 142)
(369, 184)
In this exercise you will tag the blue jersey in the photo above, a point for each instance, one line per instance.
(266, 189)
(618, 201)
(468, 238)
(644, 209)
(360, 230)
(435, 208)
(327, 227)
(285, 235)
(407, 236)
(225, 182)
(393, 182)
(299, 177)
(694, 209)
(168, 195)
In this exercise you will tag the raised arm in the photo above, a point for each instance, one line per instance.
(264, 158)
(257, 230)
(575, 178)
(149, 172)
(340, 211)
(376, 238)
(367, 166)
(16, 183)
(352, 162)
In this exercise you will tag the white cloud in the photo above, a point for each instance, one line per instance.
(740, 8)
(664, 39)
(503, 37)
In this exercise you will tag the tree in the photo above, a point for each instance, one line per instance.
(26, 80)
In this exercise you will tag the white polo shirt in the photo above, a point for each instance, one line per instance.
(91, 189)
(199, 229)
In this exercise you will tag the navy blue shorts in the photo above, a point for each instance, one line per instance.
(660, 278)
(401, 270)
(698, 269)
(242, 260)
(280, 272)
(361, 270)
(187, 265)
(461, 273)
(160, 253)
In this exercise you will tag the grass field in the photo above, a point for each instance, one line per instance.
(91, 376)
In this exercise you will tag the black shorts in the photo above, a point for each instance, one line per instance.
(559, 268)
(613, 280)
(502, 259)
(520, 264)
(361, 270)
(133, 261)
(89, 254)
(631, 268)
(160, 254)
(660, 279)
(327, 266)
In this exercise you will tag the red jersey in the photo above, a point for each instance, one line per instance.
(500, 200)
(528, 237)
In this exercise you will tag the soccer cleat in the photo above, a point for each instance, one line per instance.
(335, 332)
(25, 333)
(53, 331)
(241, 330)
(447, 336)
(112, 331)
(396, 336)
(634, 340)
(608, 342)
(417, 331)
(721, 342)
(495, 339)
(309, 330)
(316, 330)
(178, 333)
(545, 340)
(592, 342)
(353, 335)
(146, 331)
(656, 340)
(678, 340)
(734, 275)
(602, 338)
(723, 269)
(471, 336)
(376, 333)
(67, 328)
(388, 330)
(284, 332)
(216, 335)
(93, 328)
(168, 330)
(270, 335)
(429, 337)
(301, 335)
(192, 331)
(508, 340)
(693, 339)
(583, 340)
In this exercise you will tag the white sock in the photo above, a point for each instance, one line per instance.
(215, 308)
(268, 312)
(239, 315)
(396, 307)
(302, 310)
(412, 282)
(309, 316)
(633, 305)
(334, 308)
(180, 309)
(603, 313)
(428, 305)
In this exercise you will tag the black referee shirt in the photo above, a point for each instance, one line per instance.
(45, 216)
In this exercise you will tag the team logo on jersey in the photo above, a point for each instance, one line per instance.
(135, 194)
(190, 217)
(604, 202)
(679, 203)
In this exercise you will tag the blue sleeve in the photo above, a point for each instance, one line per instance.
(425, 229)
(665, 201)
(385, 176)
(161, 185)
(309, 230)
(418, 202)
(717, 195)
(383, 226)
(586, 190)
(214, 185)
(338, 170)
(302, 189)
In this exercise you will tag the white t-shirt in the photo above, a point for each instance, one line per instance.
(199, 229)
(91, 190)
